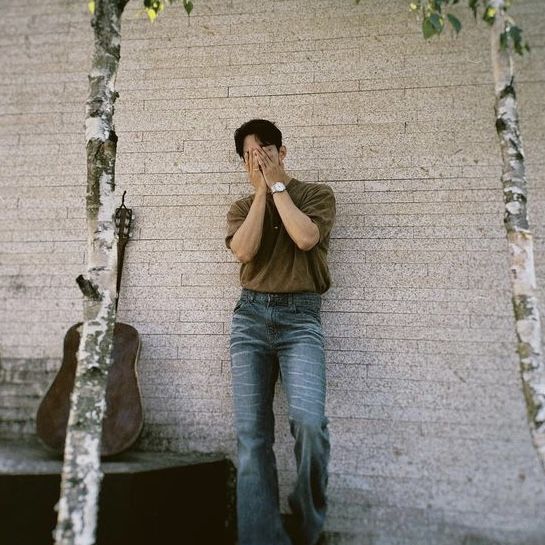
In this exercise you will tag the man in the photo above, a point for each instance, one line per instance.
(280, 234)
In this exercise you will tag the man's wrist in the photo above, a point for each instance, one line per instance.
(277, 187)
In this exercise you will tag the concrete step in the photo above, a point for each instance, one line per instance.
(146, 497)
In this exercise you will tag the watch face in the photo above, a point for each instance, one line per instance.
(278, 186)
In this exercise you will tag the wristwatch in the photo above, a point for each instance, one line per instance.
(277, 187)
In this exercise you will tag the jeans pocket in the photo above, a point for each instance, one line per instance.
(240, 304)
(308, 309)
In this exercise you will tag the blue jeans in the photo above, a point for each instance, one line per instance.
(271, 333)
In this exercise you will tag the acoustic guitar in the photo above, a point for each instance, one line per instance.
(123, 419)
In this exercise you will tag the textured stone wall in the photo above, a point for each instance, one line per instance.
(428, 426)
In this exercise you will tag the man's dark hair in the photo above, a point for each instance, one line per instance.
(267, 132)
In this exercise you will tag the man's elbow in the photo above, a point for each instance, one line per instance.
(238, 253)
(307, 244)
(242, 257)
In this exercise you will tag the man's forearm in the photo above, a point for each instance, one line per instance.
(302, 230)
(246, 241)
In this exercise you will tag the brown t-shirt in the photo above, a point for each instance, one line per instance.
(279, 266)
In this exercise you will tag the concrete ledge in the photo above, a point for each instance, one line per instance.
(31, 457)
(145, 497)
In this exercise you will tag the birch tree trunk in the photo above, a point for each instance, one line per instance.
(81, 474)
(522, 273)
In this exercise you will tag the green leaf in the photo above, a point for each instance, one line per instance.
(455, 22)
(188, 5)
(427, 28)
(489, 15)
(516, 36)
(513, 33)
(437, 21)
(503, 39)
(152, 14)
(516, 33)
(473, 6)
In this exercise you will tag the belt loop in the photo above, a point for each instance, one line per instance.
(268, 299)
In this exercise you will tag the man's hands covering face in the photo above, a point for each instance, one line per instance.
(272, 172)
(254, 173)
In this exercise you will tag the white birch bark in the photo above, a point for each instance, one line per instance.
(81, 474)
(522, 272)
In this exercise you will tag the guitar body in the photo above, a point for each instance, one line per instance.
(123, 419)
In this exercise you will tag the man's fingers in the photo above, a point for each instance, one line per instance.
(253, 164)
(263, 158)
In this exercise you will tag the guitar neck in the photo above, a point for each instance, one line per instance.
(123, 221)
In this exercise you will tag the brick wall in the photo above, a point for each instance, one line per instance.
(428, 426)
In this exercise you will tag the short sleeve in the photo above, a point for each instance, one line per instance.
(235, 218)
(319, 206)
